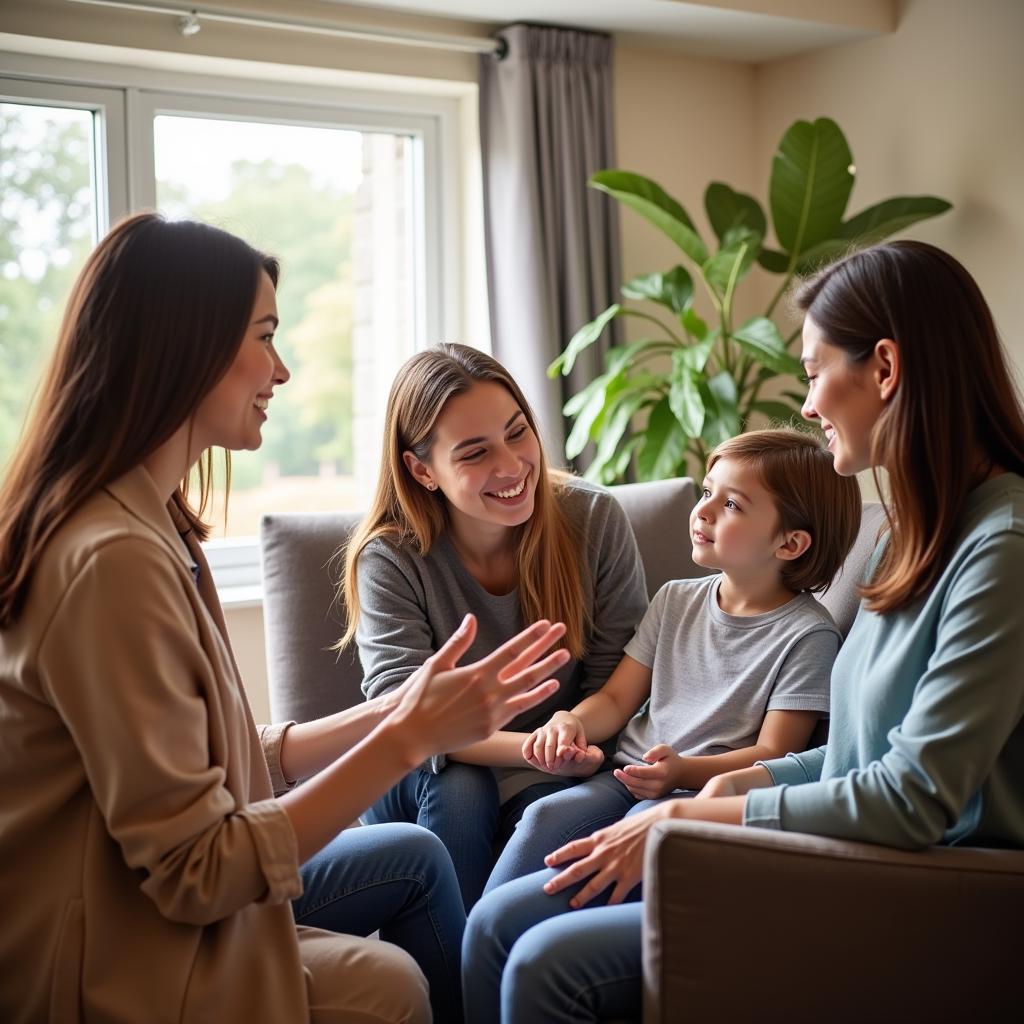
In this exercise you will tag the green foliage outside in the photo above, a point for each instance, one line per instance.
(45, 185)
(665, 400)
(307, 225)
(276, 206)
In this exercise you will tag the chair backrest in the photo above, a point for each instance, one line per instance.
(303, 619)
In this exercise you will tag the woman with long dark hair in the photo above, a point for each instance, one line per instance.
(146, 865)
(906, 374)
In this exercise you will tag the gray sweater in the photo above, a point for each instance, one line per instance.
(411, 604)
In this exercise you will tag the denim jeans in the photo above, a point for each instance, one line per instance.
(460, 806)
(397, 879)
(558, 819)
(527, 957)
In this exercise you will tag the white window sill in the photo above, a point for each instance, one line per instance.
(236, 569)
(232, 598)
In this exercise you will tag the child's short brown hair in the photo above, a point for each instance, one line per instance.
(795, 467)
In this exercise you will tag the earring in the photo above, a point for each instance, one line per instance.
(431, 486)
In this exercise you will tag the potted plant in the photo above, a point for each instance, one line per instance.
(692, 384)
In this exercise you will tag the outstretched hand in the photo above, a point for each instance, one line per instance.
(447, 707)
(612, 856)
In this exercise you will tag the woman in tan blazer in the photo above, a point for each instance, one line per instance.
(146, 864)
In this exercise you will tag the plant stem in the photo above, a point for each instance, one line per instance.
(726, 311)
(699, 452)
(676, 340)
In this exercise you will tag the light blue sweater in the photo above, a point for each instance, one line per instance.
(926, 740)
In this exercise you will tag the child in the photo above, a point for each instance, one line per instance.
(724, 670)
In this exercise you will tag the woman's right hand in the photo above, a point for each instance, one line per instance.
(737, 783)
(444, 707)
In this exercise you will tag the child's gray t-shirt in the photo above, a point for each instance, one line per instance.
(715, 675)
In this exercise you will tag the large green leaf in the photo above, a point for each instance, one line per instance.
(582, 339)
(617, 468)
(695, 356)
(618, 417)
(673, 289)
(885, 219)
(684, 396)
(776, 262)
(777, 412)
(574, 404)
(822, 254)
(586, 416)
(651, 201)
(693, 324)
(733, 260)
(727, 210)
(722, 417)
(664, 444)
(810, 184)
(760, 339)
(622, 357)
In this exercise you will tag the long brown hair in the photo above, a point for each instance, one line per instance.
(796, 469)
(154, 320)
(955, 396)
(548, 545)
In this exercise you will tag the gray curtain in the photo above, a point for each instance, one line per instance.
(552, 244)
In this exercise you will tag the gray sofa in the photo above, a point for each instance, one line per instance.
(741, 924)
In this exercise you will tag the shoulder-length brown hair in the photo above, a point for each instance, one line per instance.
(956, 397)
(797, 470)
(154, 320)
(548, 545)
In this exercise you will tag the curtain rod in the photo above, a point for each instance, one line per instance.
(190, 22)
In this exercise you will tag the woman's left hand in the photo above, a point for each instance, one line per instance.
(614, 856)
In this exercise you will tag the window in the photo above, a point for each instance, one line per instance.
(337, 206)
(358, 197)
(53, 208)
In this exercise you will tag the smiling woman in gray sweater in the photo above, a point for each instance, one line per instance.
(468, 517)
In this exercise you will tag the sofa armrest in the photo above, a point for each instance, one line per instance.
(752, 924)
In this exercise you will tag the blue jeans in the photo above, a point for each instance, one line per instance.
(460, 806)
(558, 819)
(527, 957)
(399, 880)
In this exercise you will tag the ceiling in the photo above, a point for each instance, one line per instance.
(754, 30)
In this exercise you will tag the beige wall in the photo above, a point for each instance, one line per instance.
(933, 108)
(683, 122)
(245, 628)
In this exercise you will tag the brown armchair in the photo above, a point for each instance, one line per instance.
(749, 924)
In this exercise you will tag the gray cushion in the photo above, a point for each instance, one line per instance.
(659, 513)
(303, 619)
(841, 599)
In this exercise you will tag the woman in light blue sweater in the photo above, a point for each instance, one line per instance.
(905, 372)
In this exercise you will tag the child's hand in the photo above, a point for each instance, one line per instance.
(562, 739)
(576, 766)
(655, 779)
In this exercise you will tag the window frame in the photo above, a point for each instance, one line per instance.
(131, 97)
(109, 139)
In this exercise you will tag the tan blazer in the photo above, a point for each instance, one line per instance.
(145, 870)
